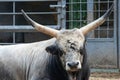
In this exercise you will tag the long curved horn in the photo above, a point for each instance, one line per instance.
(39, 27)
(91, 26)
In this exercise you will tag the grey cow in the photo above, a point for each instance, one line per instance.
(61, 58)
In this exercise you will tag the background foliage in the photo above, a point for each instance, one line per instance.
(78, 13)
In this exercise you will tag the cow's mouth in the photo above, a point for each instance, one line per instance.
(73, 75)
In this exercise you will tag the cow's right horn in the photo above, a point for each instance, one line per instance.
(91, 26)
(41, 28)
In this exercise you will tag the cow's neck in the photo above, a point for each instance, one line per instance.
(55, 69)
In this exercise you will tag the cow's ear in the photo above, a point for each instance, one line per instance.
(55, 50)
(52, 49)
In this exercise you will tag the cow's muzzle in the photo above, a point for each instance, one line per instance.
(73, 66)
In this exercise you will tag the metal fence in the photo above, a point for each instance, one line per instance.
(76, 13)
(81, 12)
(13, 26)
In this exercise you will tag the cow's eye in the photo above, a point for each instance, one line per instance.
(81, 51)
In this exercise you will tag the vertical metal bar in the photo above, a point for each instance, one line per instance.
(90, 16)
(118, 32)
(71, 13)
(62, 15)
(63, 19)
(13, 21)
(72, 10)
(58, 16)
(99, 16)
(108, 22)
(80, 13)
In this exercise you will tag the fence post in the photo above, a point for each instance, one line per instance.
(90, 15)
(118, 12)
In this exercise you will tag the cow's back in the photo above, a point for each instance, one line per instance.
(22, 61)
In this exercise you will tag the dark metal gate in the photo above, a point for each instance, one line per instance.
(14, 28)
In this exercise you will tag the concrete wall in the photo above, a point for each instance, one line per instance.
(101, 54)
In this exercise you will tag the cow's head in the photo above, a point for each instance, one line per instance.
(69, 44)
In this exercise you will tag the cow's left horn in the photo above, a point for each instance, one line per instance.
(91, 26)
(41, 28)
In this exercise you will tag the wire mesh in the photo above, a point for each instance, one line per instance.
(78, 15)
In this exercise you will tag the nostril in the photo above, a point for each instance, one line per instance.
(69, 64)
(73, 64)
(77, 63)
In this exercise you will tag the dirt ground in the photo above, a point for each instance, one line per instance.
(105, 76)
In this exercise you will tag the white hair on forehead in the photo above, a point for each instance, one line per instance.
(74, 36)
